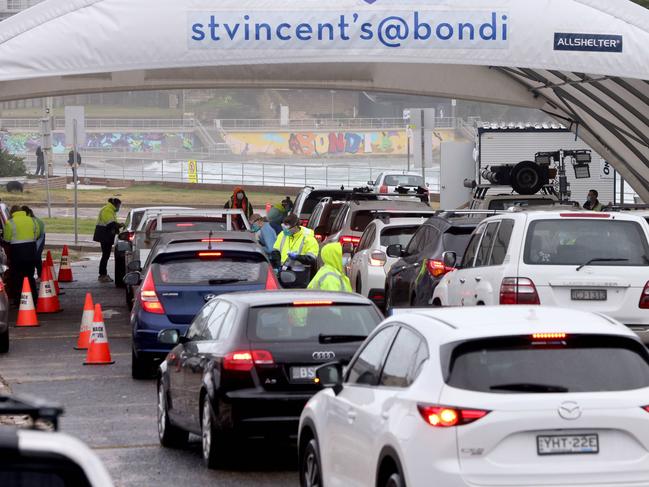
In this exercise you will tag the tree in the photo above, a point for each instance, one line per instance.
(11, 165)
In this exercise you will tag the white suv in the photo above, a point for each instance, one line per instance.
(392, 181)
(586, 260)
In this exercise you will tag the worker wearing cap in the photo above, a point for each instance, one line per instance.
(22, 232)
(295, 245)
(331, 277)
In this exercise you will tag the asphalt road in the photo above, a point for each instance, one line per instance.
(111, 412)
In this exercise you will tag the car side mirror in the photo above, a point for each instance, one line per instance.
(133, 279)
(286, 278)
(169, 337)
(330, 376)
(348, 248)
(370, 183)
(134, 265)
(395, 251)
(449, 259)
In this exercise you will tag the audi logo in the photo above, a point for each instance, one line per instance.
(323, 355)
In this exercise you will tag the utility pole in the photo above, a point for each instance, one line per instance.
(47, 127)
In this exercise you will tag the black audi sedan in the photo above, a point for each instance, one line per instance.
(246, 366)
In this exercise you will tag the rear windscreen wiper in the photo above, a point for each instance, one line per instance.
(341, 338)
(214, 282)
(600, 260)
(528, 387)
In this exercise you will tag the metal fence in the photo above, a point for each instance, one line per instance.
(103, 123)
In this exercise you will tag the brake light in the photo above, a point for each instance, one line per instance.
(349, 239)
(378, 258)
(383, 189)
(131, 236)
(312, 303)
(184, 225)
(436, 268)
(549, 336)
(644, 298)
(149, 297)
(209, 255)
(245, 360)
(585, 215)
(271, 281)
(212, 240)
(518, 290)
(448, 417)
(2, 286)
(646, 408)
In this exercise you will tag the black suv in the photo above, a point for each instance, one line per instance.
(412, 279)
(309, 197)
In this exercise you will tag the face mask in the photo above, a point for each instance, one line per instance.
(287, 232)
(255, 228)
(240, 196)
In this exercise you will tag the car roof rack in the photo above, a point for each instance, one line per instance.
(36, 409)
(467, 213)
(626, 207)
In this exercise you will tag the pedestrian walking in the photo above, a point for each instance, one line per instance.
(40, 243)
(331, 276)
(40, 161)
(22, 233)
(105, 230)
(74, 164)
(266, 234)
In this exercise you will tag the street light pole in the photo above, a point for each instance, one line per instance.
(332, 103)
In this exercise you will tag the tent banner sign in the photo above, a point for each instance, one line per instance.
(407, 29)
(588, 42)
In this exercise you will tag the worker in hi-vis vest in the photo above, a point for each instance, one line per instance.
(331, 276)
(296, 250)
(22, 232)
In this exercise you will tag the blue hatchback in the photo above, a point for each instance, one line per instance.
(180, 278)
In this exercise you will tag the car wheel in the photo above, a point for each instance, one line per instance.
(395, 480)
(4, 342)
(120, 269)
(170, 436)
(141, 369)
(215, 453)
(310, 466)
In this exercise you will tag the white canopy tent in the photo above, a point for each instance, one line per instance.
(584, 62)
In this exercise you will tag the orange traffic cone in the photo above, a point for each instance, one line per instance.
(86, 324)
(48, 301)
(50, 263)
(65, 271)
(98, 350)
(27, 312)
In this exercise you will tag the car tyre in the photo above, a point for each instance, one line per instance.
(120, 269)
(395, 480)
(141, 369)
(4, 342)
(310, 466)
(170, 436)
(214, 443)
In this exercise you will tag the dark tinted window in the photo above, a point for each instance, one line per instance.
(340, 219)
(367, 367)
(215, 321)
(46, 471)
(501, 244)
(398, 370)
(457, 242)
(484, 251)
(307, 323)
(577, 364)
(505, 204)
(314, 221)
(136, 219)
(362, 218)
(397, 235)
(574, 241)
(404, 180)
(472, 248)
(417, 242)
(229, 268)
(367, 239)
(192, 224)
(316, 196)
(199, 326)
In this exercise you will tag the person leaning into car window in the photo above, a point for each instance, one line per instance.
(294, 245)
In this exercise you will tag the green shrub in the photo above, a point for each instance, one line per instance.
(11, 165)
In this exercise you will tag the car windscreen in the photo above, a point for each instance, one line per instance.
(307, 323)
(362, 218)
(398, 235)
(593, 241)
(524, 203)
(211, 268)
(578, 363)
(404, 180)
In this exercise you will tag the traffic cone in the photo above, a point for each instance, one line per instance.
(98, 349)
(50, 263)
(27, 313)
(86, 324)
(48, 301)
(65, 271)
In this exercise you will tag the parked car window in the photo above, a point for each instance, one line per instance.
(484, 251)
(228, 324)
(367, 367)
(456, 240)
(314, 221)
(397, 235)
(367, 239)
(215, 321)
(137, 218)
(426, 237)
(472, 248)
(229, 268)
(340, 220)
(573, 241)
(197, 329)
(501, 244)
(397, 371)
(420, 358)
(362, 218)
(404, 180)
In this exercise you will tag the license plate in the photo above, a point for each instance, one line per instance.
(588, 295)
(567, 444)
(303, 373)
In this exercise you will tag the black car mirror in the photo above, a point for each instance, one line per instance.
(287, 278)
(395, 251)
(133, 279)
(134, 265)
(330, 375)
(449, 259)
(169, 337)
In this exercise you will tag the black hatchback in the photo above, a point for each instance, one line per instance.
(246, 366)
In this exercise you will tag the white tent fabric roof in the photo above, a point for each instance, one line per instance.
(582, 61)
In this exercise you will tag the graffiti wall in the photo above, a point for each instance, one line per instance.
(319, 144)
(26, 142)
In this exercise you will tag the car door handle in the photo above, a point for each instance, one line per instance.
(351, 416)
(462, 281)
(478, 279)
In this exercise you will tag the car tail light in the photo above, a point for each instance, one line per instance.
(245, 360)
(271, 281)
(212, 240)
(2, 286)
(646, 408)
(518, 290)
(313, 303)
(549, 336)
(383, 189)
(585, 215)
(349, 239)
(436, 268)
(644, 298)
(448, 417)
(378, 258)
(210, 255)
(184, 225)
(131, 236)
(149, 297)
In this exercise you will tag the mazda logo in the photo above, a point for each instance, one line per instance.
(209, 297)
(323, 356)
(570, 411)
